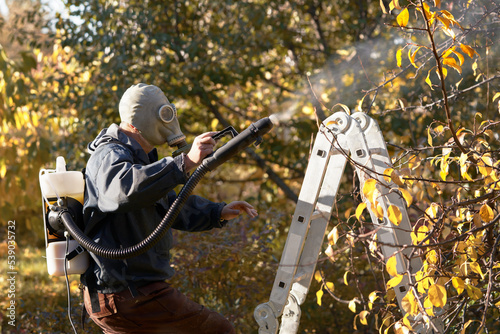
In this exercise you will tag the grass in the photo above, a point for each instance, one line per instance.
(41, 300)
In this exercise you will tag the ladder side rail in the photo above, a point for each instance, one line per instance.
(315, 236)
(359, 146)
(301, 219)
(391, 234)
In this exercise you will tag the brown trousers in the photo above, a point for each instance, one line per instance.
(158, 308)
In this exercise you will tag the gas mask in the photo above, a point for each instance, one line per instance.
(147, 108)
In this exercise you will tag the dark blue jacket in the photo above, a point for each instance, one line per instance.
(127, 193)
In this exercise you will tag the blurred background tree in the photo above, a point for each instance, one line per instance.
(230, 63)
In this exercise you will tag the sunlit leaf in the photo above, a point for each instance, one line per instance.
(485, 165)
(333, 236)
(429, 308)
(473, 292)
(359, 210)
(352, 305)
(486, 213)
(476, 268)
(394, 214)
(411, 56)
(394, 281)
(317, 276)
(362, 317)
(428, 80)
(368, 188)
(403, 18)
(407, 196)
(458, 284)
(399, 57)
(346, 282)
(391, 266)
(384, 10)
(451, 62)
(497, 95)
(409, 303)
(319, 295)
(330, 286)
(437, 295)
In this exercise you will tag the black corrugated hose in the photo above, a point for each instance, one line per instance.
(151, 240)
(251, 134)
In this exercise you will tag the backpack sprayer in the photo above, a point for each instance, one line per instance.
(63, 198)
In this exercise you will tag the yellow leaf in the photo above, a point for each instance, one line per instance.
(429, 136)
(330, 253)
(359, 210)
(333, 236)
(444, 21)
(403, 17)
(451, 62)
(437, 3)
(428, 80)
(432, 257)
(432, 210)
(362, 317)
(474, 292)
(394, 281)
(372, 297)
(475, 267)
(486, 213)
(406, 322)
(378, 210)
(411, 56)
(407, 196)
(317, 276)
(437, 295)
(458, 284)
(394, 214)
(352, 305)
(3, 171)
(384, 10)
(319, 295)
(429, 308)
(420, 235)
(485, 165)
(387, 174)
(467, 50)
(330, 286)
(497, 95)
(391, 266)
(409, 303)
(345, 278)
(369, 188)
(445, 73)
(399, 57)
(460, 57)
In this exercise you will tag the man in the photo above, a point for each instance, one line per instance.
(128, 191)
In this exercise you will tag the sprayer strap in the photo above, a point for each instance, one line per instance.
(78, 250)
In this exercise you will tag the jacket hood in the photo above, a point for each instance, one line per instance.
(113, 134)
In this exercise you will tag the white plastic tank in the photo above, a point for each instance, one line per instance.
(56, 184)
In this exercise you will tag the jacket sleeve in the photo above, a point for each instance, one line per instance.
(197, 214)
(123, 185)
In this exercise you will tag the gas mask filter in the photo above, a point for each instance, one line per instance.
(147, 108)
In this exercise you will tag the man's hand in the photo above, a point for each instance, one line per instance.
(234, 209)
(202, 146)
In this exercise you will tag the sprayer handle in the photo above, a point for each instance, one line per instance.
(238, 143)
